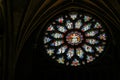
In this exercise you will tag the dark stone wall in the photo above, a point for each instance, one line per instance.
(22, 55)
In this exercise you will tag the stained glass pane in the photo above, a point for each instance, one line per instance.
(61, 28)
(50, 51)
(80, 53)
(100, 49)
(57, 35)
(69, 24)
(92, 41)
(102, 36)
(75, 39)
(46, 40)
(62, 49)
(70, 53)
(97, 25)
(91, 33)
(89, 58)
(73, 16)
(61, 60)
(88, 48)
(86, 27)
(75, 62)
(87, 18)
(50, 28)
(78, 24)
(57, 43)
(60, 19)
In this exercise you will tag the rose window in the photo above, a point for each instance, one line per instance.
(75, 39)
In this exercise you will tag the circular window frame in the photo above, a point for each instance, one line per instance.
(93, 16)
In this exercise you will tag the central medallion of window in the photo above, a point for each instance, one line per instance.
(75, 38)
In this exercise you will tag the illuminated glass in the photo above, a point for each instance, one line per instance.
(74, 39)
(86, 27)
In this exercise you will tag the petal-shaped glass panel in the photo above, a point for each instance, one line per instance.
(80, 53)
(73, 16)
(61, 28)
(61, 60)
(57, 43)
(60, 19)
(50, 51)
(50, 28)
(86, 27)
(70, 53)
(88, 48)
(46, 40)
(62, 49)
(87, 18)
(102, 36)
(97, 25)
(78, 24)
(57, 35)
(91, 33)
(100, 49)
(92, 41)
(89, 58)
(75, 62)
(69, 24)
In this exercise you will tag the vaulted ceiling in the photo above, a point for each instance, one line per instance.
(21, 20)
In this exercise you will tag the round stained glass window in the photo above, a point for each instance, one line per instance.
(75, 39)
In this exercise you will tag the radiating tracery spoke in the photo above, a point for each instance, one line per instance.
(75, 39)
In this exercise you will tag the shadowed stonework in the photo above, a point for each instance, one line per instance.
(59, 39)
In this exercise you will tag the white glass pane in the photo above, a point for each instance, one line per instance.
(57, 35)
(86, 27)
(88, 48)
(91, 33)
(100, 49)
(50, 51)
(92, 41)
(70, 53)
(62, 49)
(69, 24)
(73, 16)
(61, 28)
(78, 24)
(57, 43)
(46, 40)
(80, 53)
(97, 25)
